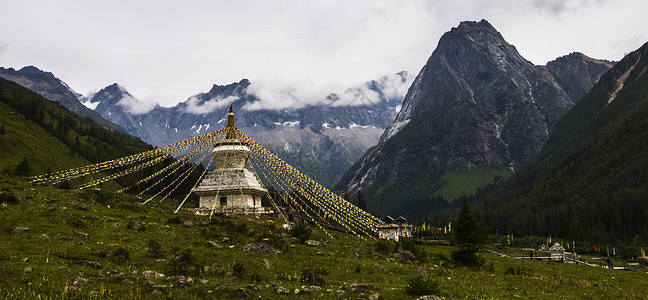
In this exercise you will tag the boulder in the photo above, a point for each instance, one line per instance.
(89, 263)
(241, 292)
(404, 255)
(189, 223)
(81, 207)
(137, 226)
(430, 297)
(260, 247)
(79, 281)
(312, 243)
(266, 263)
(80, 234)
(381, 268)
(360, 287)
(280, 289)
(21, 229)
(212, 244)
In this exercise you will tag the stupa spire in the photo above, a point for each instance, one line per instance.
(231, 129)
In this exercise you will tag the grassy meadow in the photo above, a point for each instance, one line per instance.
(66, 244)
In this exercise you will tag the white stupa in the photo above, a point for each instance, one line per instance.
(231, 186)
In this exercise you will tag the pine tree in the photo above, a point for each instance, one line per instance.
(361, 202)
(23, 168)
(468, 235)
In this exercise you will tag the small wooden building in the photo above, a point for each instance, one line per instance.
(394, 229)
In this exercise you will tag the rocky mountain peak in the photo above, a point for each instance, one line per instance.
(34, 70)
(576, 73)
(477, 104)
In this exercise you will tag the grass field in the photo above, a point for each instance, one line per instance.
(126, 241)
(458, 183)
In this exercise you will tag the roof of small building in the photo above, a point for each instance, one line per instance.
(401, 219)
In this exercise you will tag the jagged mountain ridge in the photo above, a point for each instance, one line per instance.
(477, 104)
(590, 177)
(52, 88)
(576, 73)
(321, 140)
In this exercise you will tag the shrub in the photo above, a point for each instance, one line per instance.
(120, 255)
(184, 264)
(8, 197)
(464, 257)
(419, 285)
(385, 246)
(301, 231)
(155, 249)
(174, 220)
(238, 270)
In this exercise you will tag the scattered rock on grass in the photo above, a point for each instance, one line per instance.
(79, 281)
(21, 229)
(261, 247)
(280, 289)
(404, 255)
(81, 207)
(89, 263)
(381, 268)
(312, 243)
(189, 223)
(374, 296)
(81, 234)
(266, 263)
(360, 287)
(430, 297)
(212, 244)
(241, 292)
(44, 237)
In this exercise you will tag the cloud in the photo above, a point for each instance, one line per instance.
(327, 45)
(395, 86)
(3, 48)
(276, 93)
(194, 105)
(134, 106)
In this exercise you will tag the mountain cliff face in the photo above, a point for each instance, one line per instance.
(476, 106)
(577, 73)
(322, 140)
(52, 88)
(590, 179)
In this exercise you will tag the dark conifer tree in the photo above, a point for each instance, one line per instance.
(23, 168)
(468, 235)
(361, 202)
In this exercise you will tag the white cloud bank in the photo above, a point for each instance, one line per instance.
(275, 93)
(134, 106)
(175, 48)
(194, 106)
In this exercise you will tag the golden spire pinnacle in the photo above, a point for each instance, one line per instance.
(230, 129)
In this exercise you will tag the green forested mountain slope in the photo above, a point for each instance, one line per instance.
(49, 137)
(591, 180)
(23, 139)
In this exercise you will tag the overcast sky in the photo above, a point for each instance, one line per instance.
(166, 51)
